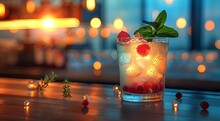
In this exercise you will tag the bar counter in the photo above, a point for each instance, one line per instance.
(104, 104)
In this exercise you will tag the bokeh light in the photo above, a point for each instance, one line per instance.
(93, 32)
(90, 5)
(181, 23)
(211, 56)
(169, 1)
(201, 68)
(30, 6)
(118, 23)
(48, 23)
(2, 10)
(199, 58)
(80, 32)
(95, 23)
(97, 65)
(189, 30)
(105, 32)
(185, 56)
(209, 25)
(217, 44)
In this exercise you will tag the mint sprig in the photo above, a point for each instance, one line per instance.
(157, 28)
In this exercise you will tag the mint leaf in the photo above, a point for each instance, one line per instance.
(157, 28)
(153, 24)
(161, 18)
(145, 31)
(166, 31)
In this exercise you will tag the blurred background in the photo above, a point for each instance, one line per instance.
(76, 39)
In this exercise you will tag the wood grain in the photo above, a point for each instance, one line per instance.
(103, 104)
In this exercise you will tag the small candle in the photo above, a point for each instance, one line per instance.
(175, 104)
(26, 103)
(115, 88)
(85, 97)
(32, 84)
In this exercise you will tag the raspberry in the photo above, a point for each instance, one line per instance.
(143, 49)
(148, 88)
(204, 105)
(155, 87)
(85, 103)
(123, 36)
(125, 88)
(140, 89)
(178, 95)
(161, 87)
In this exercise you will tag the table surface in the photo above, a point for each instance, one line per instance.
(104, 104)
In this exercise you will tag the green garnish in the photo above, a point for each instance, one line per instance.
(157, 28)
(66, 89)
(47, 79)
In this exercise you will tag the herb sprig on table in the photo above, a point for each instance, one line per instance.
(157, 28)
(47, 79)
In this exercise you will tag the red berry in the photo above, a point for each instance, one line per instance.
(85, 103)
(123, 36)
(148, 88)
(179, 95)
(140, 89)
(161, 87)
(143, 49)
(204, 105)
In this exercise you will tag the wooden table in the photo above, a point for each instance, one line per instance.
(104, 105)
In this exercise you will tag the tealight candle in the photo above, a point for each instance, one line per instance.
(115, 88)
(26, 103)
(32, 84)
(175, 104)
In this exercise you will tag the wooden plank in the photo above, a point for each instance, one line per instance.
(103, 104)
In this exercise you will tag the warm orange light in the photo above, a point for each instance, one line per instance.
(90, 5)
(97, 65)
(199, 58)
(95, 23)
(185, 56)
(118, 23)
(190, 30)
(2, 9)
(48, 23)
(30, 6)
(80, 32)
(201, 68)
(169, 1)
(13, 30)
(209, 25)
(93, 32)
(181, 23)
(170, 56)
(211, 56)
(105, 32)
(39, 23)
(217, 44)
(87, 57)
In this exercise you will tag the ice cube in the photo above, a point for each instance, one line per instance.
(132, 70)
(124, 58)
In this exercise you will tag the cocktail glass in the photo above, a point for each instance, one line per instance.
(142, 68)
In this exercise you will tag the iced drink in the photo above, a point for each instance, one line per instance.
(142, 66)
